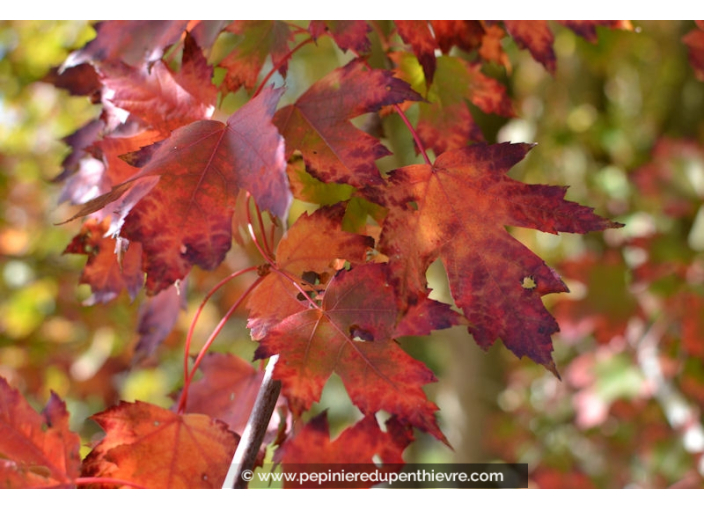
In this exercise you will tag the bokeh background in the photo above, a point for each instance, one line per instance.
(620, 122)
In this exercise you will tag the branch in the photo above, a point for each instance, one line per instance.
(253, 435)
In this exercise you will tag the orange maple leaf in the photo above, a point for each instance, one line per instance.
(155, 448)
(36, 450)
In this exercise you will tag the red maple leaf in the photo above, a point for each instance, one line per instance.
(155, 448)
(260, 38)
(227, 391)
(133, 42)
(426, 316)
(195, 75)
(80, 80)
(348, 34)
(36, 450)
(363, 443)
(417, 33)
(351, 335)
(536, 36)
(163, 99)
(180, 205)
(106, 271)
(318, 125)
(456, 210)
(316, 246)
(491, 49)
(465, 34)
